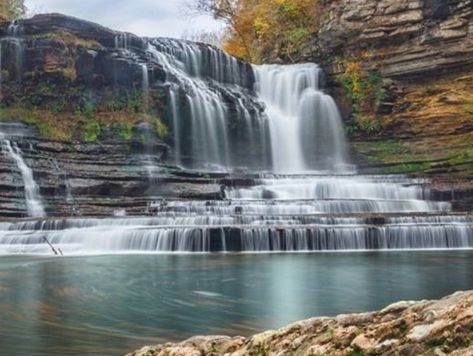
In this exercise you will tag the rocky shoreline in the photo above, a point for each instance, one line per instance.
(439, 327)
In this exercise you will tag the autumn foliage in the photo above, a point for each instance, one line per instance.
(11, 9)
(261, 29)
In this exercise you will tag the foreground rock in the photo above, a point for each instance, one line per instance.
(443, 327)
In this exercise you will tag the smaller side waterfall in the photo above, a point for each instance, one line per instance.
(122, 41)
(14, 29)
(145, 86)
(33, 199)
(13, 39)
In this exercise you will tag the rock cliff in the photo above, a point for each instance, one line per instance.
(405, 73)
(442, 327)
(88, 108)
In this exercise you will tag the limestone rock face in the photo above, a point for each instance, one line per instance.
(402, 38)
(94, 179)
(423, 52)
(440, 327)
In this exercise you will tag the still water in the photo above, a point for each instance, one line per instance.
(113, 304)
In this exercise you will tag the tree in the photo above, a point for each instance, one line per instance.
(12, 9)
(262, 29)
(229, 12)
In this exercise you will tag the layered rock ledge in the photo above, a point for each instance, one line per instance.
(440, 327)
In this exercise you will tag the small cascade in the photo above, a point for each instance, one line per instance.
(149, 162)
(16, 44)
(286, 214)
(145, 86)
(173, 230)
(32, 195)
(176, 123)
(14, 29)
(122, 41)
(62, 174)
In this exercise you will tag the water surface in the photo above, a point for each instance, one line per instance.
(109, 305)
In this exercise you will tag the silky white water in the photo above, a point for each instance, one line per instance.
(305, 126)
(290, 126)
(209, 138)
(32, 196)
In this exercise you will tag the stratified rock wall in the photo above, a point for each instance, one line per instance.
(423, 51)
(404, 38)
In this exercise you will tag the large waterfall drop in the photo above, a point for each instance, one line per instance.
(305, 126)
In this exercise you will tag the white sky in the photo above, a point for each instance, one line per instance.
(153, 18)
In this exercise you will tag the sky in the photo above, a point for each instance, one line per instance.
(153, 18)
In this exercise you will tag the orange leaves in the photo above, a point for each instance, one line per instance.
(235, 47)
(262, 29)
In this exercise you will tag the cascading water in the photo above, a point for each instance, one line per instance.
(16, 44)
(300, 129)
(183, 64)
(210, 101)
(122, 41)
(32, 195)
(145, 86)
(305, 126)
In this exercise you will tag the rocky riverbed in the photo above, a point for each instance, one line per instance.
(439, 327)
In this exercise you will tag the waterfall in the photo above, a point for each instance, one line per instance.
(13, 38)
(122, 41)
(305, 126)
(14, 29)
(145, 86)
(176, 122)
(183, 63)
(32, 195)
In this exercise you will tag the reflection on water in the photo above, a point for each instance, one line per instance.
(113, 304)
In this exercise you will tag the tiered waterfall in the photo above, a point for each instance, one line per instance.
(298, 192)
